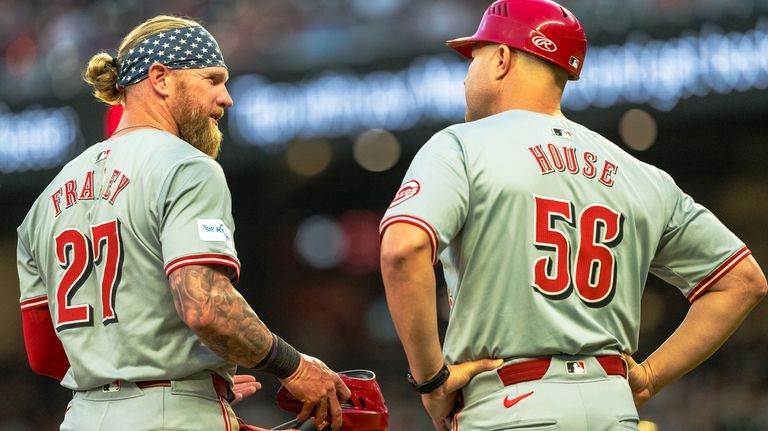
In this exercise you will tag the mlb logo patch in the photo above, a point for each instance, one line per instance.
(562, 133)
(576, 367)
(574, 62)
(112, 387)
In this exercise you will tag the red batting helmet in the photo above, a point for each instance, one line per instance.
(364, 411)
(539, 27)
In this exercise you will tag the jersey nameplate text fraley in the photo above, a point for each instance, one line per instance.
(565, 159)
(71, 193)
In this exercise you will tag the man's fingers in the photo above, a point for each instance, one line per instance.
(481, 365)
(243, 378)
(321, 411)
(247, 391)
(342, 391)
(310, 383)
(472, 368)
(336, 418)
(640, 380)
(488, 364)
(636, 373)
(244, 386)
(306, 411)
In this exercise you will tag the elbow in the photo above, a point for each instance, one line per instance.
(54, 368)
(200, 323)
(45, 353)
(38, 365)
(197, 326)
(754, 286)
(50, 361)
(392, 255)
(199, 317)
(214, 334)
(759, 289)
(396, 253)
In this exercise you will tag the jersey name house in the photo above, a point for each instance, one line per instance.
(565, 159)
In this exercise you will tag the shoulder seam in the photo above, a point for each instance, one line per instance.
(167, 174)
(464, 152)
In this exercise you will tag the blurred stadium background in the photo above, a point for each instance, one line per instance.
(332, 100)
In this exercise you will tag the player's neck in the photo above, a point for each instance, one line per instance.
(552, 109)
(135, 117)
(542, 102)
(530, 91)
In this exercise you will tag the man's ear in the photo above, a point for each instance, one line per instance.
(504, 59)
(160, 79)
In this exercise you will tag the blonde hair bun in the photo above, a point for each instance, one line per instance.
(101, 74)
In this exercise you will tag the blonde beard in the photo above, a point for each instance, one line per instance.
(196, 127)
(199, 132)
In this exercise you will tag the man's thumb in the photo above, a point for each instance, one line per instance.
(481, 365)
(631, 364)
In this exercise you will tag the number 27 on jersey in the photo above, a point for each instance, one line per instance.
(78, 253)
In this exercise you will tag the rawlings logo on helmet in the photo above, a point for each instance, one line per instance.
(544, 43)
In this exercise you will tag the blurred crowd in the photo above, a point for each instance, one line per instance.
(45, 44)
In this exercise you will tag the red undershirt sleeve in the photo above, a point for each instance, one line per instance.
(45, 352)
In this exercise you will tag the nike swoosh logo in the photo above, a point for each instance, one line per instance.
(509, 403)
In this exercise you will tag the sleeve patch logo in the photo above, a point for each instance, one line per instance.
(407, 191)
(214, 230)
(102, 155)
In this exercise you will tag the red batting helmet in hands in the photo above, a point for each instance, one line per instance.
(539, 27)
(364, 411)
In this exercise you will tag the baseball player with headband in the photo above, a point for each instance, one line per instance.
(127, 260)
(547, 232)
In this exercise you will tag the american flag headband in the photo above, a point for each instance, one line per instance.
(181, 48)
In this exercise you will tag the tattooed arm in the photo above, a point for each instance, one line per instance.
(209, 304)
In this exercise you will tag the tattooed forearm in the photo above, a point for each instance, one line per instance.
(207, 302)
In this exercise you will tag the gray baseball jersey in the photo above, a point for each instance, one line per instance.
(97, 247)
(546, 232)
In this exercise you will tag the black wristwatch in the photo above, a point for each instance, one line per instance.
(431, 384)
